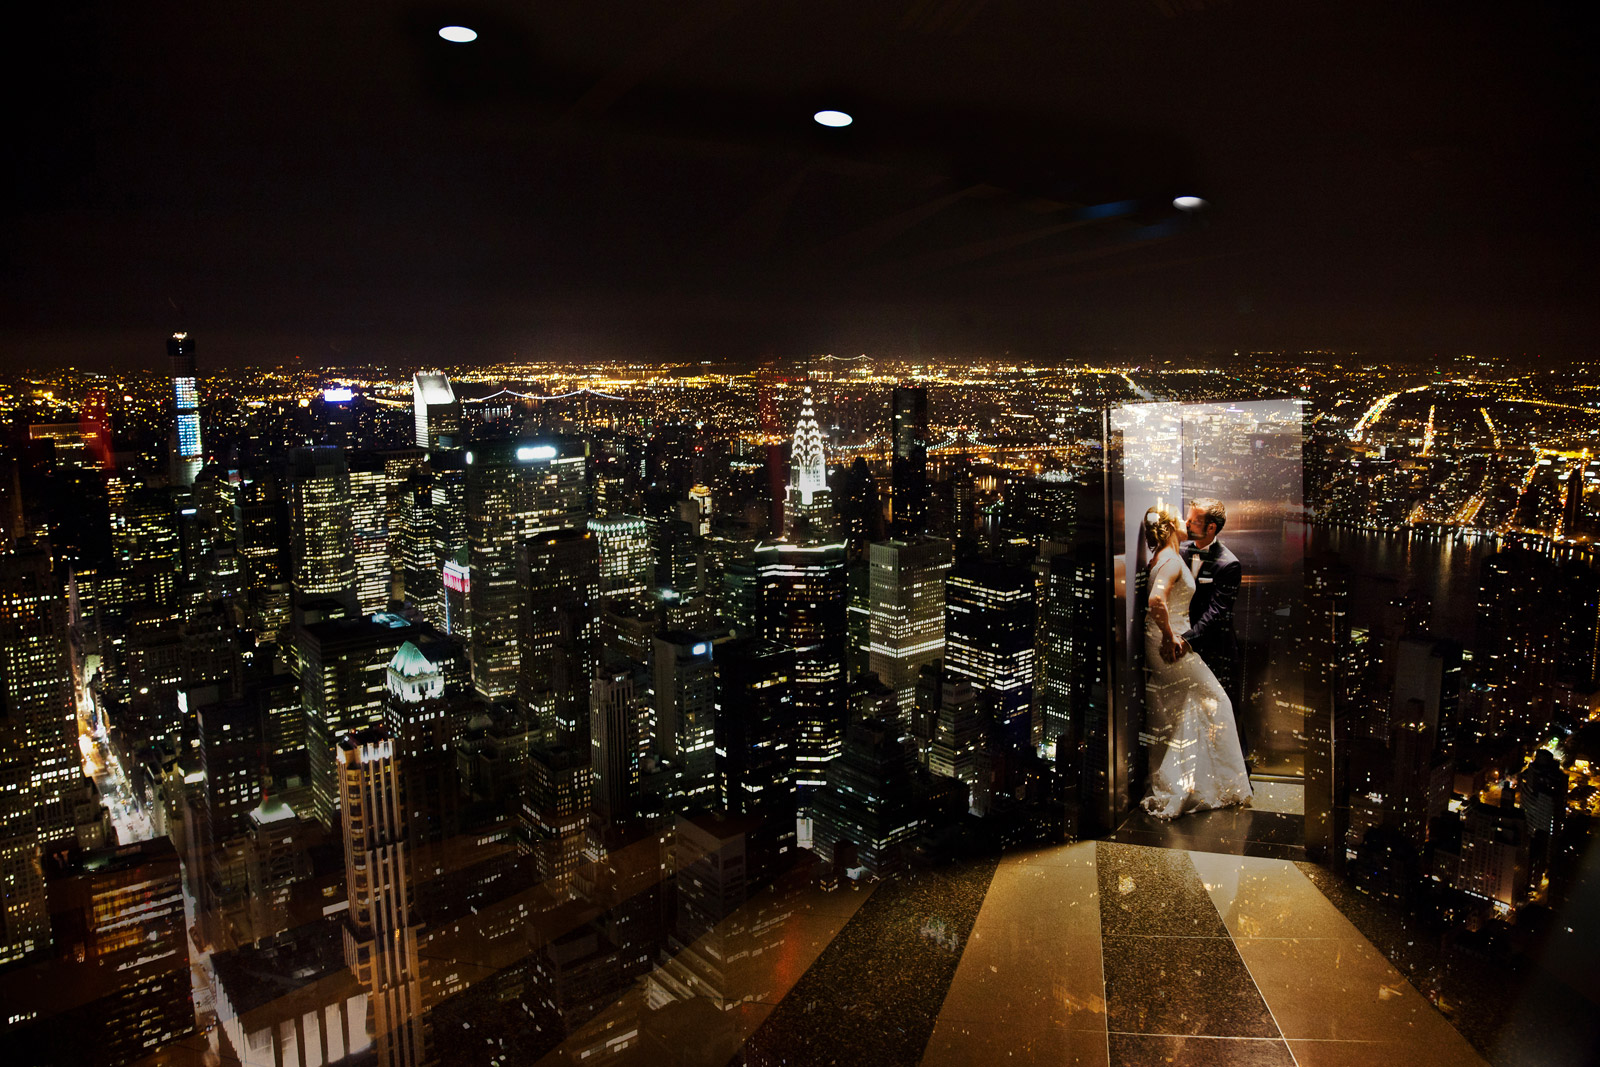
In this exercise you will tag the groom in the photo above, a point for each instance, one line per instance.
(1217, 573)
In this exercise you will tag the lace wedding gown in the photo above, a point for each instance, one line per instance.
(1195, 759)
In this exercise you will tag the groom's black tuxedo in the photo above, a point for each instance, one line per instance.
(1210, 630)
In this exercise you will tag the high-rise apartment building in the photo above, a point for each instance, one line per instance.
(515, 490)
(804, 602)
(906, 613)
(187, 453)
(908, 427)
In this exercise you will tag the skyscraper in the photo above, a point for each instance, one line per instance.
(187, 453)
(322, 525)
(685, 676)
(558, 613)
(906, 605)
(38, 724)
(380, 934)
(233, 764)
(426, 684)
(804, 602)
(909, 473)
(878, 798)
(369, 538)
(989, 630)
(624, 554)
(1518, 638)
(343, 678)
(436, 412)
(122, 959)
(957, 733)
(1071, 680)
(35, 761)
(614, 744)
(555, 812)
(419, 551)
(514, 490)
(808, 511)
(262, 539)
(755, 745)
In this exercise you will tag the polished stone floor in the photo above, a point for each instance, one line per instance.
(1117, 954)
(1097, 953)
(1272, 827)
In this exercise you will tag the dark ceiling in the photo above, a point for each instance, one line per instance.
(331, 181)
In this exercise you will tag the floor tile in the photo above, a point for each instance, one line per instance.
(1153, 891)
(1077, 854)
(1042, 901)
(878, 987)
(1263, 849)
(1343, 990)
(1286, 797)
(1384, 1054)
(1152, 1050)
(1056, 982)
(1268, 898)
(1220, 831)
(964, 1043)
(1181, 985)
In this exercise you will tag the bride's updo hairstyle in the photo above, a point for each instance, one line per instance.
(1160, 523)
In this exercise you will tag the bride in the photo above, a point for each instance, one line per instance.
(1195, 762)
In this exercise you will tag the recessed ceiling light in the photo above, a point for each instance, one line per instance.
(833, 118)
(458, 34)
(1188, 203)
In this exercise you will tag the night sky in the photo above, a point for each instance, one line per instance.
(333, 182)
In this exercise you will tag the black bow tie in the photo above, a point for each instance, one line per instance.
(1209, 553)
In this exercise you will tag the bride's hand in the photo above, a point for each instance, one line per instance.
(1180, 648)
(1169, 649)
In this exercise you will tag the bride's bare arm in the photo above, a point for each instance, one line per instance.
(1161, 579)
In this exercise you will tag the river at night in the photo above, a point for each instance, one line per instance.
(1389, 565)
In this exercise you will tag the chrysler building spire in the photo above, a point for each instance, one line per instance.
(808, 466)
(809, 512)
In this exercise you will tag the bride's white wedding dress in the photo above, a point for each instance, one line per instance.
(1195, 759)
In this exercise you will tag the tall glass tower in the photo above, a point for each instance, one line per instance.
(906, 602)
(804, 596)
(909, 426)
(186, 448)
